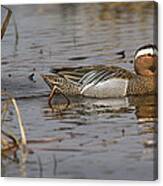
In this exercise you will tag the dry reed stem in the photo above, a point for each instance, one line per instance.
(21, 126)
(5, 21)
(16, 29)
(12, 137)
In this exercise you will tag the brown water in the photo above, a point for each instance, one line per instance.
(102, 139)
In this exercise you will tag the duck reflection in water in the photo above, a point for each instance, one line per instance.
(146, 107)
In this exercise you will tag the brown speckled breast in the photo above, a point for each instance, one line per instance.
(142, 85)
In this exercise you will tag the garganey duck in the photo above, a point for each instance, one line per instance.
(102, 81)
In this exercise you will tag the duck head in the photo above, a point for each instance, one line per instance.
(50, 79)
(145, 60)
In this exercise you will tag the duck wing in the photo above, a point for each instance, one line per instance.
(73, 73)
(92, 74)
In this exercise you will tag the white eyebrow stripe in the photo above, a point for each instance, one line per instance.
(142, 52)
